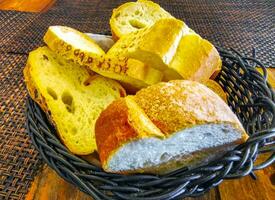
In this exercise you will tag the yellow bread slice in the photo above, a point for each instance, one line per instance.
(155, 45)
(78, 47)
(215, 87)
(132, 16)
(270, 75)
(71, 97)
(61, 38)
(195, 59)
(132, 73)
(173, 48)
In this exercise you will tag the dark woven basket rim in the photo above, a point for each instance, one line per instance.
(249, 95)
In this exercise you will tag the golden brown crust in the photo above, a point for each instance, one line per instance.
(209, 67)
(37, 97)
(32, 89)
(176, 105)
(114, 36)
(196, 59)
(170, 106)
(111, 135)
(216, 73)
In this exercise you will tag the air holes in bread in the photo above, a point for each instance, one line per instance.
(67, 99)
(136, 24)
(45, 57)
(87, 82)
(165, 156)
(117, 15)
(52, 93)
(60, 63)
(137, 12)
(74, 131)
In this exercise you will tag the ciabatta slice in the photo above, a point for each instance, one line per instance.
(132, 16)
(72, 98)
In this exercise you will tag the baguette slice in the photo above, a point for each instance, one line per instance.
(81, 49)
(71, 97)
(155, 45)
(195, 59)
(173, 48)
(183, 123)
(71, 43)
(133, 16)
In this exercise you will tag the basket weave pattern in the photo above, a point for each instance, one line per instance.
(249, 96)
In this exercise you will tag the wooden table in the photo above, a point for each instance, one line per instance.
(26, 5)
(48, 185)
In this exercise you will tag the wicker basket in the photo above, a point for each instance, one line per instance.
(249, 96)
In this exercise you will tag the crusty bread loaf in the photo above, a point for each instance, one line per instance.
(164, 127)
(132, 16)
(173, 48)
(72, 98)
(155, 45)
(81, 49)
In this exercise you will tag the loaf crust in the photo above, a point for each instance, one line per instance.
(179, 104)
(130, 122)
(109, 136)
(170, 107)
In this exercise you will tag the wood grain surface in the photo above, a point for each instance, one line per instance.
(26, 5)
(48, 185)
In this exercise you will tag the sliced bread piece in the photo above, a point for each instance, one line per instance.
(131, 73)
(72, 98)
(195, 59)
(173, 48)
(74, 45)
(71, 43)
(132, 16)
(155, 45)
(164, 127)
